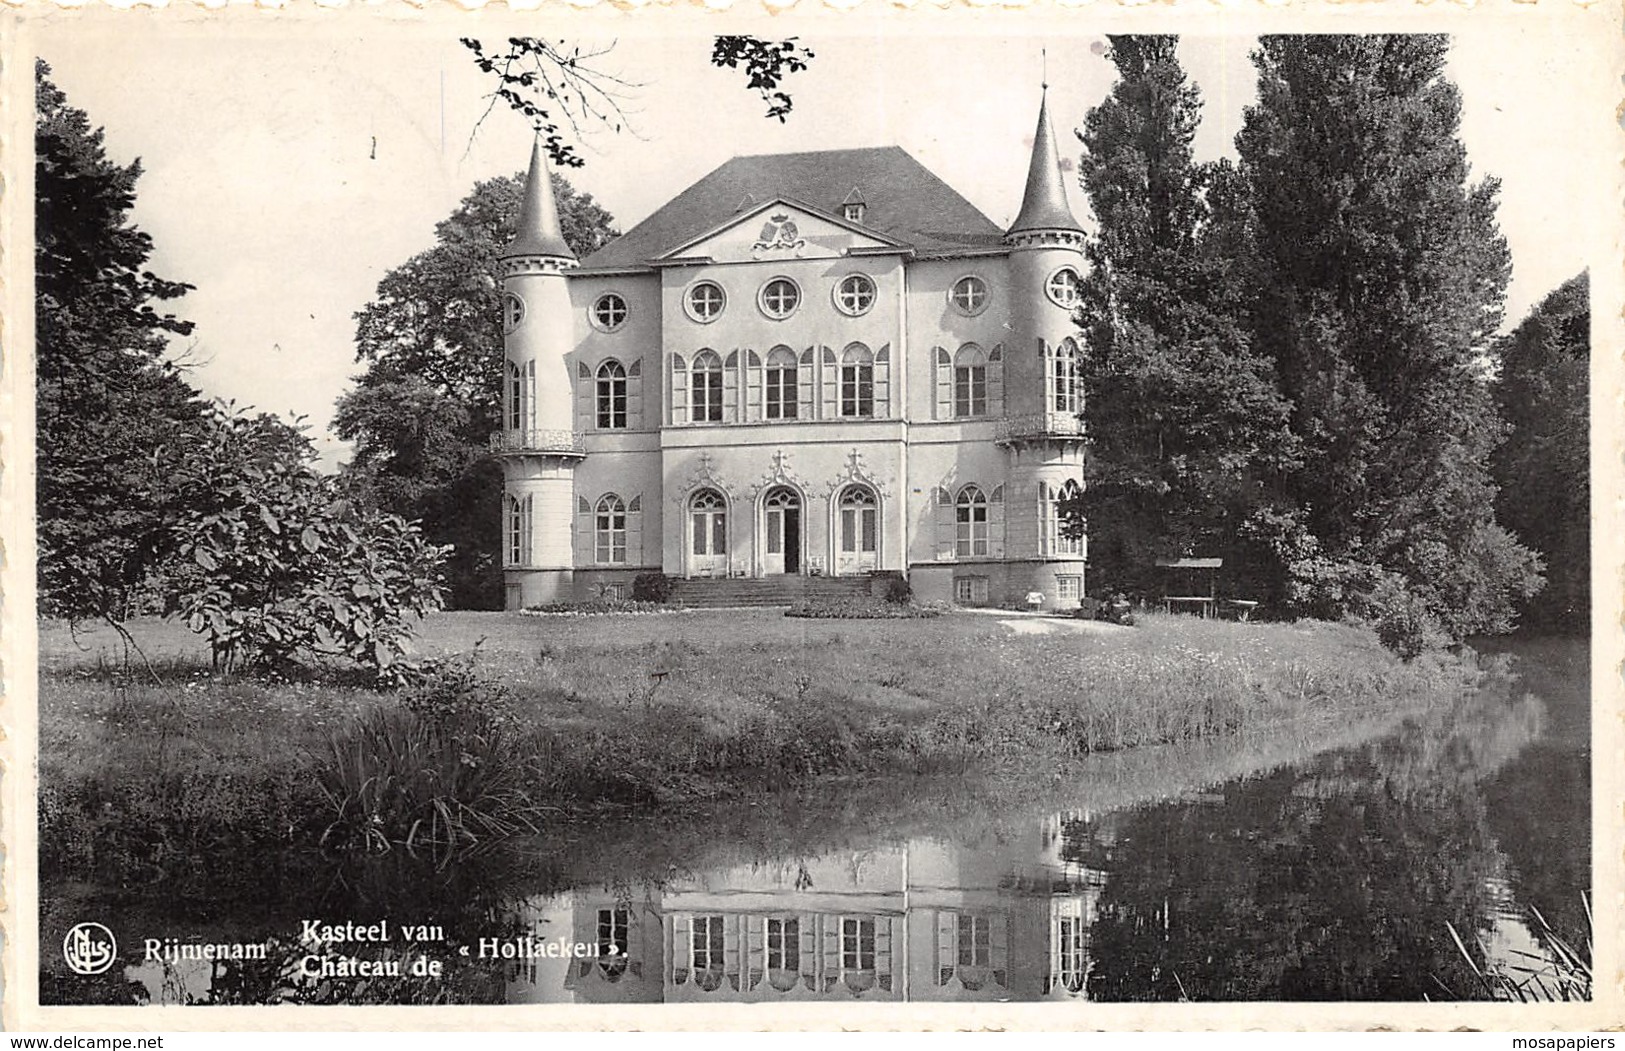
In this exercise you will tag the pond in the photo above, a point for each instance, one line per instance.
(1334, 863)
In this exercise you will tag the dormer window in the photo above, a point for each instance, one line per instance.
(854, 212)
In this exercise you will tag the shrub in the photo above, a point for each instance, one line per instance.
(898, 591)
(1402, 619)
(651, 587)
(597, 607)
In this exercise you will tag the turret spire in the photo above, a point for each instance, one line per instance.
(539, 232)
(1043, 206)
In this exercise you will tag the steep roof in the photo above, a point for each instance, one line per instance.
(538, 231)
(905, 202)
(1043, 205)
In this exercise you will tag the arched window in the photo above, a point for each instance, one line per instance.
(859, 521)
(781, 384)
(970, 381)
(521, 396)
(970, 523)
(857, 381)
(708, 512)
(516, 532)
(1065, 379)
(858, 953)
(609, 530)
(1065, 545)
(705, 388)
(783, 952)
(614, 945)
(611, 395)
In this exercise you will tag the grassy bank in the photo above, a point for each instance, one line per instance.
(205, 785)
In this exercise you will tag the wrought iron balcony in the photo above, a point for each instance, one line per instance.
(539, 440)
(1041, 425)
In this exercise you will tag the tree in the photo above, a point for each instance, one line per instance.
(1543, 392)
(422, 414)
(113, 416)
(1380, 275)
(1187, 428)
(280, 564)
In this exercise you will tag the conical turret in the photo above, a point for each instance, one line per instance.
(1043, 206)
(539, 231)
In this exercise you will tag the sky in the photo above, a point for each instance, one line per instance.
(289, 164)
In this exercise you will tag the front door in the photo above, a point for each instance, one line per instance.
(782, 545)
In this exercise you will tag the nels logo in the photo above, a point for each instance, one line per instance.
(779, 232)
(89, 948)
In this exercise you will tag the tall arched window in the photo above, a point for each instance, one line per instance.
(705, 388)
(781, 384)
(708, 514)
(970, 381)
(516, 532)
(609, 530)
(521, 396)
(1065, 377)
(1065, 545)
(857, 381)
(970, 523)
(611, 395)
(859, 521)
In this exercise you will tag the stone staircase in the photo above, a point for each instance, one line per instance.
(723, 592)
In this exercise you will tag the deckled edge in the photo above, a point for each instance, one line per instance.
(18, 638)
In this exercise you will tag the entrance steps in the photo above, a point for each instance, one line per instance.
(723, 592)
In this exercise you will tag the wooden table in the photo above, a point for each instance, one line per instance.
(1201, 604)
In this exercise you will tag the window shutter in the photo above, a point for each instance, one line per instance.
(586, 552)
(831, 381)
(530, 395)
(586, 397)
(947, 532)
(634, 531)
(808, 954)
(682, 947)
(947, 944)
(753, 386)
(526, 517)
(883, 932)
(679, 389)
(883, 382)
(634, 394)
(995, 381)
(804, 384)
(730, 949)
(730, 389)
(995, 523)
(944, 367)
(832, 951)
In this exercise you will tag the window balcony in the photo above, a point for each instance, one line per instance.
(1041, 425)
(539, 440)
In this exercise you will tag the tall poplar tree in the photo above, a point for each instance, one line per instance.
(1544, 391)
(1187, 428)
(1380, 279)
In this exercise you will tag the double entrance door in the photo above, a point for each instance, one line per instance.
(782, 525)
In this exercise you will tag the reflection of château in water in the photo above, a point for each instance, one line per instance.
(923, 921)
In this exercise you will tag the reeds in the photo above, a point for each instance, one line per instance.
(1562, 975)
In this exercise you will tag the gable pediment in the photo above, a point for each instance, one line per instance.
(781, 229)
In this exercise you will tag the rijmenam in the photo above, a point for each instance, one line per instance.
(809, 364)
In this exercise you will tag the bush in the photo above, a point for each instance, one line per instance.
(1403, 621)
(898, 591)
(651, 587)
(597, 606)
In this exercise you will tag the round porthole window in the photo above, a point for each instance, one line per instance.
(609, 312)
(969, 295)
(704, 301)
(1064, 288)
(855, 294)
(779, 298)
(513, 312)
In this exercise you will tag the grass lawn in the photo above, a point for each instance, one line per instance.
(140, 780)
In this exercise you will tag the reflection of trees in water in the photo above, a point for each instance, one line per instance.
(1333, 880)
(1540, 811)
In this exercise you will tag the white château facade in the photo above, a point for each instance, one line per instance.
(821, 363)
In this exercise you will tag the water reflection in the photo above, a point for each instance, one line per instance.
(1336, 877)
